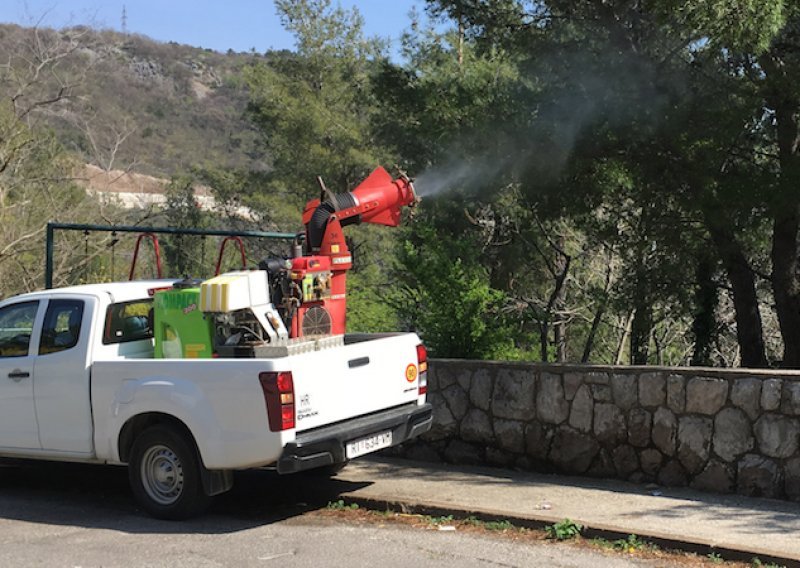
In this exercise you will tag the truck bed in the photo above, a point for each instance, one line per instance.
(221, 401)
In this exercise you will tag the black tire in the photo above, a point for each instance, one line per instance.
(164, 473)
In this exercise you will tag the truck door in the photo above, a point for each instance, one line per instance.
(18, 322)
(61, 376)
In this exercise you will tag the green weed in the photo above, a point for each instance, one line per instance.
(757, 563)
(630, 544)
(489, 525)
(340, 505)
(633, 542)
(563, 530)
(443, 520)
(498, 525)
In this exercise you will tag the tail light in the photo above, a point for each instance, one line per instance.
(279, 395)
(422, 364)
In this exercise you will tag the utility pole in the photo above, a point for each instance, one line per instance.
(124, 20)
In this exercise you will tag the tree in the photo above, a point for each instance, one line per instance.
(447, 297)
(672, 110)
(314, 107)
(35, 171)
(759, 44)
(449, 112)
(781, 65)
(183, 255)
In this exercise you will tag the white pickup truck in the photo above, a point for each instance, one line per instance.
(78, 382)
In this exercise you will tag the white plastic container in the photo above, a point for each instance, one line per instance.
(234, 291)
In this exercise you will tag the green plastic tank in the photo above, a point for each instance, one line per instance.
(180, 329)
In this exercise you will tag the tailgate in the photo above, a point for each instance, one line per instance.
(336, 384)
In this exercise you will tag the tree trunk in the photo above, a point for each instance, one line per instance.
(562, 262)
(704, 324)
(785, 276)
(658, 347)
(623, 340)
(785, 285)
(543, 340)
(780, 95)
(596, 321)
(560, 341)
(749, 330)
(640, 334)
(642, 324)
(559, 268)
(601, 310)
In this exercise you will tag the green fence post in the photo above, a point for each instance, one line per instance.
(48, 262)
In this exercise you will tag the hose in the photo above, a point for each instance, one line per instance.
(319, 219)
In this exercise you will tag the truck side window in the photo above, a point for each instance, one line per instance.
(128, 321)
(62, 326)
(16, 326)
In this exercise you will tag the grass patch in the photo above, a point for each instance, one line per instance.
(501, 525)
(567, 531)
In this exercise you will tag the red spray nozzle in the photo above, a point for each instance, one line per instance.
(381, 198)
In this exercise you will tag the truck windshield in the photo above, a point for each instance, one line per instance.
(129, 321)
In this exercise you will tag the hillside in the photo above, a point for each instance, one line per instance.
(172, 106)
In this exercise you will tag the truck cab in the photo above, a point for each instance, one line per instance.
(48, 341)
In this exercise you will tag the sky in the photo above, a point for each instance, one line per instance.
(220, 24)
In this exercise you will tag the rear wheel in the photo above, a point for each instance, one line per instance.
(164, 473)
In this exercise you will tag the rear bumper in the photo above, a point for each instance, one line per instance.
(326, 446)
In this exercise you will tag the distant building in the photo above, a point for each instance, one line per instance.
(138, 191)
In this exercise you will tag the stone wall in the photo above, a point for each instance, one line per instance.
(713, 429)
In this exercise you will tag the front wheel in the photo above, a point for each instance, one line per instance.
(164, 473)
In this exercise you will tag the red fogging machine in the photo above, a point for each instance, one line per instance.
(291, 304)
(310, 289)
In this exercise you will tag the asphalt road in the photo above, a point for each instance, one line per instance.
(70, 515)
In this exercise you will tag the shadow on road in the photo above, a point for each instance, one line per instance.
(99, 497)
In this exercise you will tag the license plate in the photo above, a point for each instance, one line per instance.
(368, 444)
